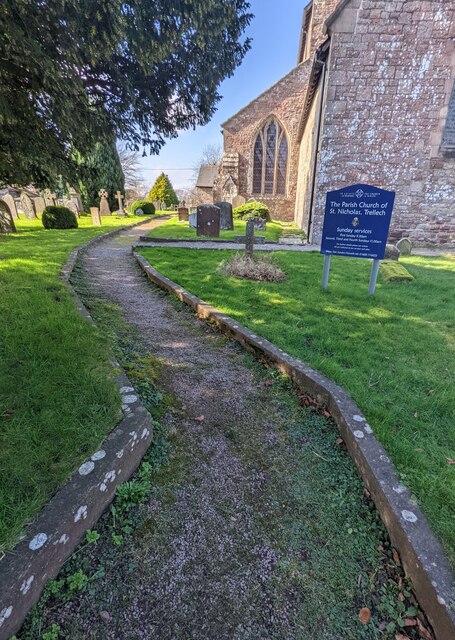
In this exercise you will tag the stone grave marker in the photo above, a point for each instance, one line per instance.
(208, 221)
(96, 218)
(120, 212)
(226, 219)
(27, 206)
(40, 205)
(104, 203)
(259, 223)
(404, 246)
(249, 239)
(391, 252)
(192, 219)
(76, 198)
(6, 219)
(69, 204)
(49, 198)
(237, 201)
(11, 203)
(183, 213)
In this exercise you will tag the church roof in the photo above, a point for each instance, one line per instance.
(207, 176)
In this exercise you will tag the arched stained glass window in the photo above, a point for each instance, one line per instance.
(270, 158)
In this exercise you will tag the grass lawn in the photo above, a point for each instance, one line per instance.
(172, 228)
(57, 397)
(395, 353)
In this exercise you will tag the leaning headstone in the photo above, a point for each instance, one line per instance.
(104, 203)
(192, 219)
(76, 198)
(49, 198)
(183, 213)
(6, 219)
(27, 206)
(237, 201)
(226, 219)
(249, 239)
(95, 213)
(208, 221)
(120, 211)
(259, 223)
(391, 252)
(404, 246)
(8, 198)
(40, 205)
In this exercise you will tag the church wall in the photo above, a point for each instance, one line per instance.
(391, 73)
(285, 101)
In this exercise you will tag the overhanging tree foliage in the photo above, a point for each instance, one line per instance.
(163, 191)
(100, 169)
(73, 72)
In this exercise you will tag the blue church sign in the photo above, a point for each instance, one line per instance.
(356, 221)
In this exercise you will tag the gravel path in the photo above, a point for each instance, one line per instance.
(248, 536)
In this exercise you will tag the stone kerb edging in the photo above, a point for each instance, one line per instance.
(422, 555)
(56, 532)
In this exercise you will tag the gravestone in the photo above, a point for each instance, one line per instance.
(208, 221)
(27, 206)
(49, 198)
(391, 252)
(6, 219)
(40, 205)
(404, 246)
(11, 204)
(69, 204)
(183, 213)
(76, 198)
(237, 201)
(249, 239)
(192, 219)
(95, 213)
(120, 211)
(226, 219)
(259, 223)
(104, 203)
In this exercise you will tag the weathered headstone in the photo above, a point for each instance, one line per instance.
(76, 198)
(49, 198)
(95, 213)
(404, 246)
(259, 223)
(183, 213)
(69, 204)
(249, 239)
(237, 201)
(120, 211)
(8, 198)
(226, 219)
(391, 252)
(40, 205)
(6, 219)
(208, 221)
(192, 219)
(27, 206)
(104, 203)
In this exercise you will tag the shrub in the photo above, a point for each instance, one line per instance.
(251, 209)
(148, 208)
(55, 217)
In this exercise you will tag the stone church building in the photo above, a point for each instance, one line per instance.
(371, 100)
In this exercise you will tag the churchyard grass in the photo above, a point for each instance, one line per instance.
(57, 396)
(173, 228)
(394, 353)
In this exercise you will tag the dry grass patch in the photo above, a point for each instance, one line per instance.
(256, 268)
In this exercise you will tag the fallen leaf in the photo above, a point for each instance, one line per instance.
(424, 633)
(450, 461)
(200, 418)
(430, 392)
(396, 557)
(410, 622)
(366, 492)
(365, 615)
(401, 597)
(416, 414)
(401, 636)
(7, 413)
(326, 413)
(339, 441)
(419, 450)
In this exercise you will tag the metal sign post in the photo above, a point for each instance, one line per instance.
(356, 225)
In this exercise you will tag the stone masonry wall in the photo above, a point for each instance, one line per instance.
(391, 73)
(285, 101)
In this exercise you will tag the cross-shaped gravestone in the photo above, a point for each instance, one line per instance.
(104, 203)
(120, 203)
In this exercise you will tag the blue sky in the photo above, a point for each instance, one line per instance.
(275, 31)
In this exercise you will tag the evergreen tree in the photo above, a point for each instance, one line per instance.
(76, 72)
(163, 191)
(101, 169)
